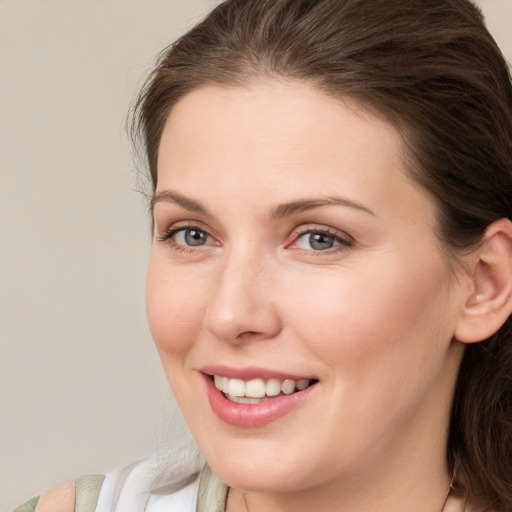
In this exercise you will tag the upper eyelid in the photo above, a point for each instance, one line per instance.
(304, 229)
(184, 224)
(173, 230)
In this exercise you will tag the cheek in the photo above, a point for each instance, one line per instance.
(399, 313)
(174, 309)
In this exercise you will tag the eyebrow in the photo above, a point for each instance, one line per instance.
(303, 205)
(170, 196)
(280, 211)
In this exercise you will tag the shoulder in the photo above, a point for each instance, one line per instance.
(80, 495)
(153, 483)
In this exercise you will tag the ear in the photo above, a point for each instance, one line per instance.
(489, 304)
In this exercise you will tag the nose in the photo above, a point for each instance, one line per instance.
(241, 307)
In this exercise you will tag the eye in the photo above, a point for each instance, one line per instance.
(186, 238)
(320, 240)
(190, 236)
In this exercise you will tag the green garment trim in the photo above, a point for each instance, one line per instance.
(87, 493)
(29, 506)
(213, 493)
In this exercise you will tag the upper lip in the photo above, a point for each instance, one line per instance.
(251, 372)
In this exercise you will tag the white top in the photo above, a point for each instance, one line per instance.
(153, 484)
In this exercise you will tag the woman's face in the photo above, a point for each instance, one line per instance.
(291, 248)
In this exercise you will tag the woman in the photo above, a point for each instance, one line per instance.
(330, 285)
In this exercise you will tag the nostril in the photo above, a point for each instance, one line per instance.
(247, 334)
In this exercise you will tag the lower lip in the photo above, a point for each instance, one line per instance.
(253, 415)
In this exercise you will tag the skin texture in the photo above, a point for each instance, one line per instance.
(372, 318)
(60, 498)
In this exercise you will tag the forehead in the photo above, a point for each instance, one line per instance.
(286, 109)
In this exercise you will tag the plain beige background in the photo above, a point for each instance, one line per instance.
(81, 389)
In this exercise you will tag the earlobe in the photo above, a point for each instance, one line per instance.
(490, 303)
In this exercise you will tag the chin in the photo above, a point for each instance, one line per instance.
(268, 477)
(261, 464)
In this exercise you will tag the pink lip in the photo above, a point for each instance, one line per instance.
(253, 415)
(249, 373)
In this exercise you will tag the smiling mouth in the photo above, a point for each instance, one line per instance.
(255, 391)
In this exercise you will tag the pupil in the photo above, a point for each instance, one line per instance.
(194, 237)
(320, 241)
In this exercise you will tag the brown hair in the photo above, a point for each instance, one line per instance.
(429, 67)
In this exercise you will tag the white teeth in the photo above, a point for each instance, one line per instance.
(273, 387)
(255, 388)
(288, 386)
(252, 391)
(236, 387)
(224, 384)
(244, 399)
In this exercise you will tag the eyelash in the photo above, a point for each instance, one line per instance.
(343, 242)
(168, 237)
